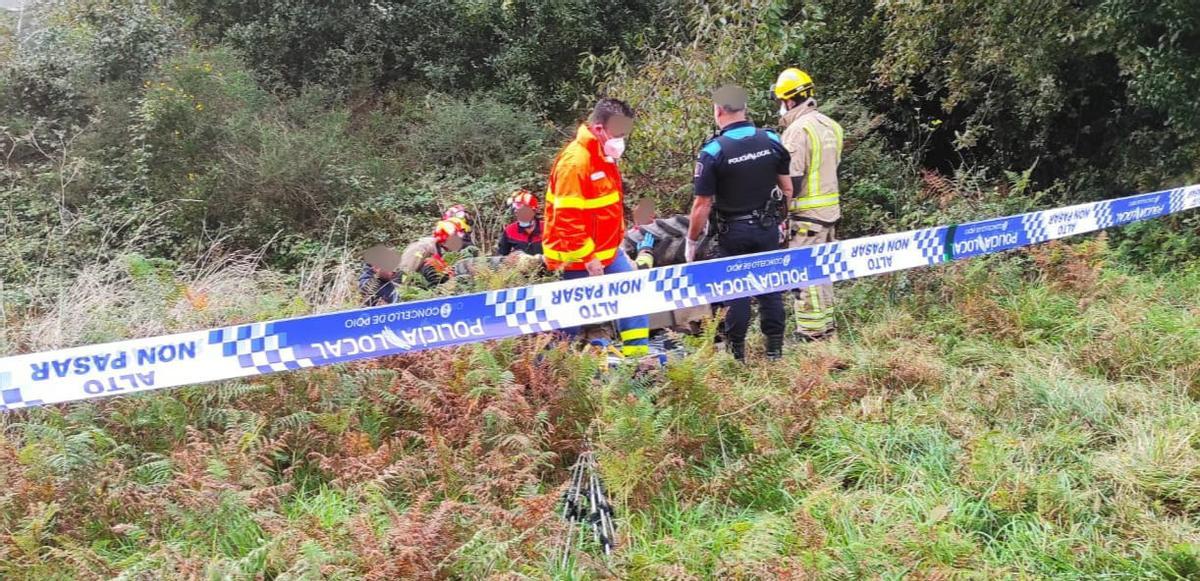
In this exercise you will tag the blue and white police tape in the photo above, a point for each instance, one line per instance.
(141, 365)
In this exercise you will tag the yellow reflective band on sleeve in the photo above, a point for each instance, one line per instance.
(571, 256)
(635, 334)
(606, 254)
(841, 138)
(635, 350)
(577, 203)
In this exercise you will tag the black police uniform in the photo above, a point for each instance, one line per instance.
(740, 166)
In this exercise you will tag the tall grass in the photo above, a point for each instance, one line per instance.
(1026, 416)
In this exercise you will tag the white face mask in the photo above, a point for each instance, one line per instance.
(783, 109)
(614, 147)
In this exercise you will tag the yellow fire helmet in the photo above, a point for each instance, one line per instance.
(793, 83)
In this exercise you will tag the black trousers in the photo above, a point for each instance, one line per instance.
(747, 238)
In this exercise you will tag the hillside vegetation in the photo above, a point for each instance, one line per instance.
(172, 166)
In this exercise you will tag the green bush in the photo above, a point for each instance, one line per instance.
(70, 48)
(524, 51)
(1161, 245)
(474, 137)
(1093, 94)
(739, 42)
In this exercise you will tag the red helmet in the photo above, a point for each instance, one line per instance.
(522, 197)
(444, 229)
(459, 213)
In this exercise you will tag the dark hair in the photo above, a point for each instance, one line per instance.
(606, 108)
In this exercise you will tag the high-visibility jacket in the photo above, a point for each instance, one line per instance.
(585, 212)
(815, 142)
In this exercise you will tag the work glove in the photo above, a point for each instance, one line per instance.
(689, 249)
(647, 242)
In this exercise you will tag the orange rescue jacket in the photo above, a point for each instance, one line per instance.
(585, 211)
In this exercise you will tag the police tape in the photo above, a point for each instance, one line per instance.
(141, 365)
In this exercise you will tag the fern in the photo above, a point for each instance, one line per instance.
(293, 422)
(486, 375)
(230, 391)
(158, 470)
(81, 451)
(334, 423)
(33, 530)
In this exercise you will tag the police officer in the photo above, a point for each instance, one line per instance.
(742, 176)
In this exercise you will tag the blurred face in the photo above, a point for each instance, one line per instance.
(454, 243)
(644, 212)
(524, 214)
(618, 126)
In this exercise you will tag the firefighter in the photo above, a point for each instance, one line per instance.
(585, 212)
(462, 218)
(422, 263)
(742, 175)
(815, 144)
(525, 233)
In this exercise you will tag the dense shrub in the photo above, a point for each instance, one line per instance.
(524, 51)
(304, 121)
(69, 48)
(1092, 93)
(740, 42)
(473, 137)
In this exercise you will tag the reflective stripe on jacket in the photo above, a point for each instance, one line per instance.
(815, 142)
(585, 214)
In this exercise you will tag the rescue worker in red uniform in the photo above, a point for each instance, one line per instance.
(525, 233)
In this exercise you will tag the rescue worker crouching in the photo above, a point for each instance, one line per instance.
(525, 233)
(462, 218)
(422, 263)
(742, 176)
(585, 213)
(815, 144)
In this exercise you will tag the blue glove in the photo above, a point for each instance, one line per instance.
(647, 242)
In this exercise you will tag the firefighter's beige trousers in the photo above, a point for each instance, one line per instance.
(812, 306)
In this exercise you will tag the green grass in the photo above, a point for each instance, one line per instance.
(992, 419)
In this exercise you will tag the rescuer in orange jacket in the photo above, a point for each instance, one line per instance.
(585, 212)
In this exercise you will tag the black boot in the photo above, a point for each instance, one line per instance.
(738, 350)
(775, 347)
